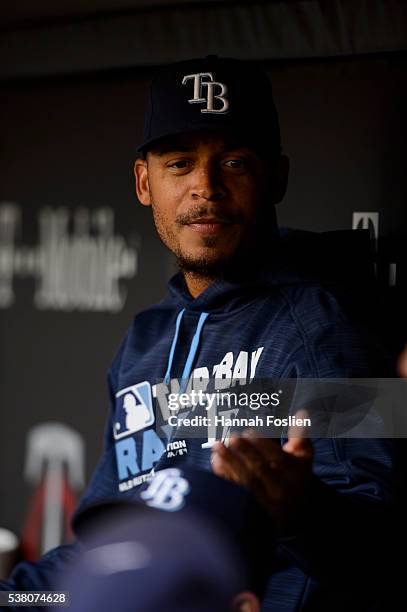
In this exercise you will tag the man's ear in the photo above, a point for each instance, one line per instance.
(246, 602)
(142, 184)
(280, 179)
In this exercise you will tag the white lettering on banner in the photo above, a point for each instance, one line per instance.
(392, 274)
(77, 270)
(9, 225)
(367, 220)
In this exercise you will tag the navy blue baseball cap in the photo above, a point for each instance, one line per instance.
(185, 491)
(148, 561)
(212, 93)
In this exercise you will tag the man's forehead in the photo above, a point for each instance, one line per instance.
(218, 141)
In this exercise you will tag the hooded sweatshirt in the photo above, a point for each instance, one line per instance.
(275, 326)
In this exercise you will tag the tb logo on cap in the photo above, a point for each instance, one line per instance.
(199, 84)
(167, 490)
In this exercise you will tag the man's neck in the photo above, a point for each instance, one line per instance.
(197, 284)
(237, 269)
(241, 267)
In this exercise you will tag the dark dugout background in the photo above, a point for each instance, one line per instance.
(73, 85)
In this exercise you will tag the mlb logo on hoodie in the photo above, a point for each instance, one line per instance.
(134, 410)
(137, 445)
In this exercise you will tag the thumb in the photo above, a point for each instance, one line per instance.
(299, 447)
(298, 444)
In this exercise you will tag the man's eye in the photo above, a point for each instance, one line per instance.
(235, 164)
(180, 164)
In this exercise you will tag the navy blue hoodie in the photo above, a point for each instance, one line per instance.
(276, 326)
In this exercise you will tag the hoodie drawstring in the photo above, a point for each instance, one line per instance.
(192, 349)
(173, 345)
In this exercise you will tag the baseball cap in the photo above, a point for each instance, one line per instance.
(189, 493)
(212, 93)
(147, 561)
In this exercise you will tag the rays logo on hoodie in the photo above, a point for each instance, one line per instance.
(137, 445)
(134, 410)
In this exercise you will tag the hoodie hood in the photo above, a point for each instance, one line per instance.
(295, 259)
(227, 295)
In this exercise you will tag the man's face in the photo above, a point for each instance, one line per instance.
(208, 195)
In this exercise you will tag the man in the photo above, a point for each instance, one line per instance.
(211, 169)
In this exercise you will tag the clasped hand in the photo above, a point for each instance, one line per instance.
(277, 475)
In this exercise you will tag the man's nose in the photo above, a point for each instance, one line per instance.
(207, 183)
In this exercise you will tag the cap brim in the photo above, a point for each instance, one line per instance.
(231, 130)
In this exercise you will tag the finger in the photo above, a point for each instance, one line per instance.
(228, 465)
(269, 448)
(299, 430)
(298, 445)
(264, 480)
(250, 456)
(220, 468)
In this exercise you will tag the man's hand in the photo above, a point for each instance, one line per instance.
(402, 363)
(278, 476)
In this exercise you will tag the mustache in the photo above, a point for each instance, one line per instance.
(195, 214)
